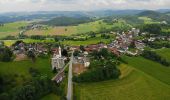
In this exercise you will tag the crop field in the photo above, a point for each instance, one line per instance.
(165, 53)
(11, 28)
(135, 85)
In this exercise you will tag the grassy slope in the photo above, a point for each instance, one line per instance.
(11, 28)
(135, 86)
(165, 53)
(151, 68)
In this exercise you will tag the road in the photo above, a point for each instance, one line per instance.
(70, 85)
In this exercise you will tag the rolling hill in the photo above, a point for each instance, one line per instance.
(66, 21)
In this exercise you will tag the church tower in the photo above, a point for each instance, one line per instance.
(59, 51)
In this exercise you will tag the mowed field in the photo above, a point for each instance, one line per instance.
(151, 68)
(134, 84)
(11, 28)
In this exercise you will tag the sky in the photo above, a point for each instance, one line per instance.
(80, 5)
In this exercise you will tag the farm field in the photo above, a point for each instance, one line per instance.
(11, 28)
(165, 53)
(132, 86)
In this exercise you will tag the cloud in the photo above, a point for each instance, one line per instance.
(63, 5)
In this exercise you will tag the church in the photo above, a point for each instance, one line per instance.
(57, 60)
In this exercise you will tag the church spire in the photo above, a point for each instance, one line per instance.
(59, 51)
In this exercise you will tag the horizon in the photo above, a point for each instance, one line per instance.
(80, 5)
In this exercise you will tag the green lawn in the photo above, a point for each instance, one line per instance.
(51, 97)
(137, 85)
(165, 53)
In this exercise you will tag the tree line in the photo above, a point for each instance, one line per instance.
(151, 55)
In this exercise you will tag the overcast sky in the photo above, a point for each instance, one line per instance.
(76, 5)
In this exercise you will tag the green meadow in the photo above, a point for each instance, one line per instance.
(19, 70)
(151, 68)
(94, 40)
(134, 85)
(12, 28)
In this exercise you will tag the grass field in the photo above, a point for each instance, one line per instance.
(69, 30)
(10, 42)
(11, 28)
(51, 97)
(165, 53)
(135, 85)
(151, 68)
(20, 69)
(87, 42)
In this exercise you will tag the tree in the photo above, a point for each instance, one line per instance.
(76, 53)
(1, 84)
(5, 54)
(152, 28)
(54, 70)
(31, 55)
(64, 53)
(82, 48)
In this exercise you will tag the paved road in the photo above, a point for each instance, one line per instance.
(70, 85)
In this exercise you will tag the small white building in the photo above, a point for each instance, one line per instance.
(57, 60)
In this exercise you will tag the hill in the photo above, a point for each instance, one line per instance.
(66, 21)
(157, 16)
(135, 85)
(150, 13)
